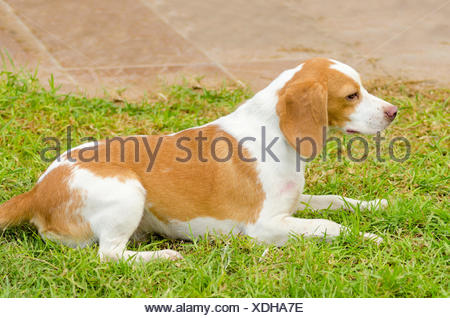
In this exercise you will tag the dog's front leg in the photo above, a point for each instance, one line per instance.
(321, 228)
(278, 230)
(334, 202)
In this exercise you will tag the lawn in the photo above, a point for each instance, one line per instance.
(413, 261)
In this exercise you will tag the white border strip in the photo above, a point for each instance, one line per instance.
(314, 307)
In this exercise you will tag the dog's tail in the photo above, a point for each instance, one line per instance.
(16, 210)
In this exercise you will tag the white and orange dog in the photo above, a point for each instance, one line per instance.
(238, 188)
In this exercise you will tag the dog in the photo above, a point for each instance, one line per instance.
(239, 174)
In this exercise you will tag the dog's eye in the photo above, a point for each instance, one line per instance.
(352, 97)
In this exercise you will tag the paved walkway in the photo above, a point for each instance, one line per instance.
(136, 44)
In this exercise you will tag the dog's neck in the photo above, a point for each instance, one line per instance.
(259, 114)
(260, 110)
(263, 105)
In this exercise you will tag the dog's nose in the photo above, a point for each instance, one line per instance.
(390, 112)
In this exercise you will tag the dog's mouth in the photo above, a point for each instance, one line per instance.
(352, 131)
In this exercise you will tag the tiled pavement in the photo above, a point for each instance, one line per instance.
(97, 45)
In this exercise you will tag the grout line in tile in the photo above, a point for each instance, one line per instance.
(201, 50)
(37, 41)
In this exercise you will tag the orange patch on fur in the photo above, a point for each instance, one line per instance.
(54, 208)
(201, 186)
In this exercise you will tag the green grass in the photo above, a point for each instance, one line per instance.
(412, 262)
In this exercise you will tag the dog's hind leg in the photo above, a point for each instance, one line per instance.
(113, 207)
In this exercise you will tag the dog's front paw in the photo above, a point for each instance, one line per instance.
(375, 204)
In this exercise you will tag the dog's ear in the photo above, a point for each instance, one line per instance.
(302, 109)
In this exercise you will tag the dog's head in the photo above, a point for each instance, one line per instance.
(329, 93)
